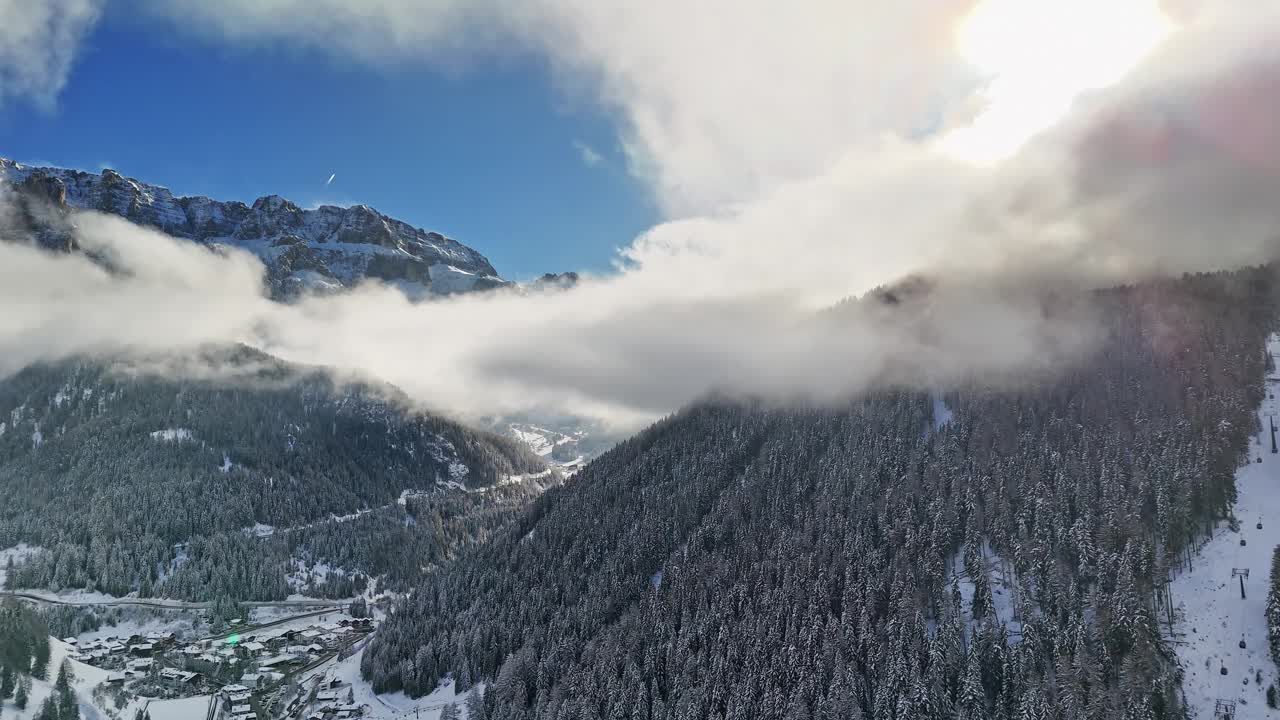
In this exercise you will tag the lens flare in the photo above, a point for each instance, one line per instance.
(1038, 56)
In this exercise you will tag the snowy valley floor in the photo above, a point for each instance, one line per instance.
(1211, 618)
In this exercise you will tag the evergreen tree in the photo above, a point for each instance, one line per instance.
(49, 709)
(475, 705)
(40, 662)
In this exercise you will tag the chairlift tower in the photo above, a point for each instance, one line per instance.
(1243, 574)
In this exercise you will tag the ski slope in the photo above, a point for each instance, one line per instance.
(83, 682)
(1211, 617)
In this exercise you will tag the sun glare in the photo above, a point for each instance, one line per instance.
(1037, 56)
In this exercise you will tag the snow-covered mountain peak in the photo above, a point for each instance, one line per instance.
(327, 247)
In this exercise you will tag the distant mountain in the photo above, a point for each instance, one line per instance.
(324, 248)
(564, 442)
(202, 489)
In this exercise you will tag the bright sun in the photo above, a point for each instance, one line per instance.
(1038, 56)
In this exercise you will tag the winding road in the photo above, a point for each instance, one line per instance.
(164, 603)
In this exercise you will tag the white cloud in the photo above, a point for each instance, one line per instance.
(718, 101)
(39, 40)
(778, 142)
(588, 154)
(168, 294)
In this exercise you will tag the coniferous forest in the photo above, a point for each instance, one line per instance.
(205, 489)
(740, 561)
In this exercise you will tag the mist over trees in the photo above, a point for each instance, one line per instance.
(738, 561)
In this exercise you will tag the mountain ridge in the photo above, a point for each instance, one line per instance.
(326, 248)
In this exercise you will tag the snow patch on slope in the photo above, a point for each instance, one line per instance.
(449, 279)
(396, 705)
(86, 677)
(1004, 591)
(17, 555)
(173, 435)
(941, 412)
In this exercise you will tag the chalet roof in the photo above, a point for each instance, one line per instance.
(277, 660)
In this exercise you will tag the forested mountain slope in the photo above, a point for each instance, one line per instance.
(132, 482)
(736, 561)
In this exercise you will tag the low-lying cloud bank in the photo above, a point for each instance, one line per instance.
(789, 158)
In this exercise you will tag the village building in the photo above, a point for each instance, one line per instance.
(142, 650)
(276, 661)
(178, 677)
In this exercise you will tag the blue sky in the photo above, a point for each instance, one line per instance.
(490, 155)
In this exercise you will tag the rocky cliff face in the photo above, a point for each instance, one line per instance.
(325, 248)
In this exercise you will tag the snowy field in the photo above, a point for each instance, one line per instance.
(1211, 617)
(140, 621)
(392, 706)
(192, 708)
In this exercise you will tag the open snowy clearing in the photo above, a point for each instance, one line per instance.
(1004, 589)
(1211, 617)
(391, 706)
(192, 708)
(16, 554)
(141, 621)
